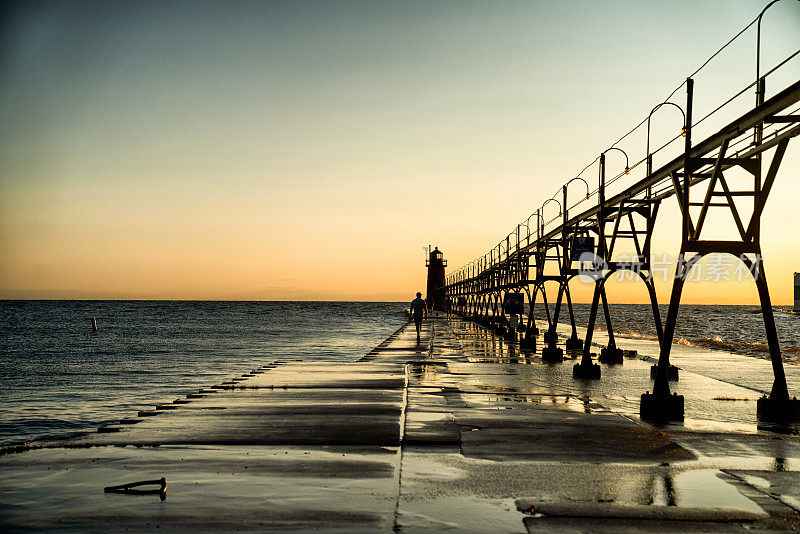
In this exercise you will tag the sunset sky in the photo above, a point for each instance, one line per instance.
(309, 150)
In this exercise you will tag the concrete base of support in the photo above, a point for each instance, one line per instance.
(672, 373)
(528, 343)
(779, 410)
(534, 331)
(661, 409)
(549, 335)
(574, 343)
(611, 356)
(590, 371)
(552, 355)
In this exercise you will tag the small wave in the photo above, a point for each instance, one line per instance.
(740, 347)
(638, 335)
(791, 354)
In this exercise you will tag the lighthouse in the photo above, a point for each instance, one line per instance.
(796, 291)
(435, 264)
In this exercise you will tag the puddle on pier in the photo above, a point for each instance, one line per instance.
(419, 416)
(520, 360)
(461, 514)
(701, 488)
(505, 398)
(426, 374)
(682, 484)
(710, 482)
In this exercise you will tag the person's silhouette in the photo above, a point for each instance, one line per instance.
(418, 311)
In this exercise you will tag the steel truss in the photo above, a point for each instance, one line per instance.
(538, 260)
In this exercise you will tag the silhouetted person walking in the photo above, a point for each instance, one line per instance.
(418, 311)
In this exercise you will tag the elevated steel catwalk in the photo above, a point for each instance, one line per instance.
(479, 290)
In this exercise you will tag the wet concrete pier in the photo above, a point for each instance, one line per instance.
(459, 432)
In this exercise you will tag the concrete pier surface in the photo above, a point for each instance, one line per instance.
(460, 432)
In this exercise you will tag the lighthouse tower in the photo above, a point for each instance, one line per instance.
(435, 264)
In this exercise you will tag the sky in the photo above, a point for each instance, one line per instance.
(310, 150)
